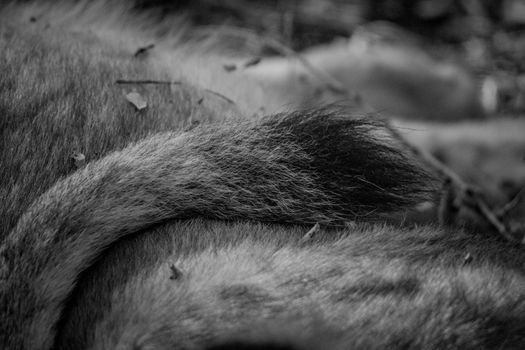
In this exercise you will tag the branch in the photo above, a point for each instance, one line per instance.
(505, 210)
(469, 196)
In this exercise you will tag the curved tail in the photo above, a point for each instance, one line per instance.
(303, 168)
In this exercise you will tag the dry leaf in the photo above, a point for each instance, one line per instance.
(143, 50)
(253, 62)
(79, 160)
(467, 259)
(175, 273)
(315, 229)
(192, 125)
(229, 67)
(137, 100)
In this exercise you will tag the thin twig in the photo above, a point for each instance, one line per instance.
(471, 198)
(504, 211)
(147, 81)
(167, 82)
(230, 101)
(432, 161)
(492, 218)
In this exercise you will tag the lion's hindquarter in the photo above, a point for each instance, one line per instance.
(202, 283)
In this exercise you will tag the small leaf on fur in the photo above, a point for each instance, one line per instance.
(143, 50)
(175, 273)
(137, 100)
(467, 259)
(79, 160)
(311, 232)
(229, 67)
(252, 62)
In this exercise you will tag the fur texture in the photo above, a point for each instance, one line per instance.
(172, 239)
(301, 168)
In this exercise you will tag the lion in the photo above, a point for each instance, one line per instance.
(185, 220)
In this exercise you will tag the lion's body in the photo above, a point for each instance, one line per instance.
(196, 239)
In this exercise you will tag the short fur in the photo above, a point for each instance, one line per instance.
(194, 239)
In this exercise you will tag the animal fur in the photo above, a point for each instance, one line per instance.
(173, 239)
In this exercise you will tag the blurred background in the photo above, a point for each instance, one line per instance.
(449, 74)
(485, 38)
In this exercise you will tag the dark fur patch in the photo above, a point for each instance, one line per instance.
(376, 287)
(385, 171)
(322, 161)
(244, 295)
